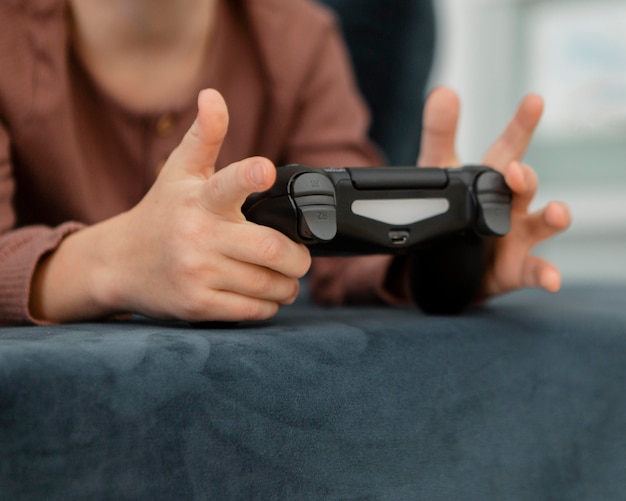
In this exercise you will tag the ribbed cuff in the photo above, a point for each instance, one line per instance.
(20, 252)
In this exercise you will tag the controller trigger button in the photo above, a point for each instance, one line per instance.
(318, 222)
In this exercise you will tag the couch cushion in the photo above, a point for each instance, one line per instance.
(522, 399)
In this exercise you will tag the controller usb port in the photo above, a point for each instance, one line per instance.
(399, 237)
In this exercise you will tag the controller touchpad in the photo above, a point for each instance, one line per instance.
(401, 212)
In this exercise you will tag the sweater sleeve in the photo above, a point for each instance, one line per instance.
(20, 248)
(332, 130)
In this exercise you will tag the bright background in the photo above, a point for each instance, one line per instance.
(573, 52)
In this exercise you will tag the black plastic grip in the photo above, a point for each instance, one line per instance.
(398, 178)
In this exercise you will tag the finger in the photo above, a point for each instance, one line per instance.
(266, 247)
(523, 182)
(225, 192)
(514, 140)
(226, 306)
(256, 282)
(197, 153)
(441, 117)
(538, 272)
(549, 221)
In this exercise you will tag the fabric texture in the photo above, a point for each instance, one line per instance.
(69, 152)
(522, 400)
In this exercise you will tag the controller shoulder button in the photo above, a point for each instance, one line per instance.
(494, 204)
(491, 182)
(312, 183)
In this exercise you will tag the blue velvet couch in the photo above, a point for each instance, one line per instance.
(521, 400)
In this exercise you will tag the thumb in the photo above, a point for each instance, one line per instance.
(441, 117)
(197, 153)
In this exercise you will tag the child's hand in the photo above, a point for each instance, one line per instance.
(204, 258)
(185, 250)
(511, 265)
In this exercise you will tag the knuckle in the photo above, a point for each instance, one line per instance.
(531, 176)
(259, 310)
(191, 308)
(252, 311)
(263, 282)
(270, 311)
(293, 295)
(187, 266)
(304, 263)
(271, 249)
(188, 229)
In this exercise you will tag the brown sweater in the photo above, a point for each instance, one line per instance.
(70, 155)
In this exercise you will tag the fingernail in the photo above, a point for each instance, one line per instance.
(257, 173)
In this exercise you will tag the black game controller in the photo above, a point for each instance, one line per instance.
(381, 210)
(438, 216)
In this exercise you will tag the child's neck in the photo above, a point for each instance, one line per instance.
(146, 53)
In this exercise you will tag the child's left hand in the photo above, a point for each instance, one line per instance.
(511, 265)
